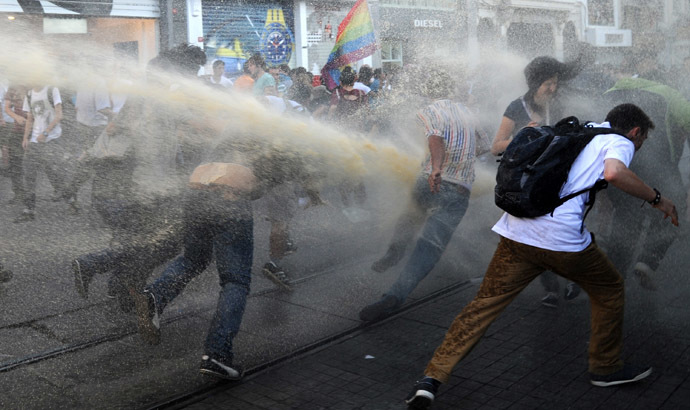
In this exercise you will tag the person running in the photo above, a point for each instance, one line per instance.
(529, 246)
(539, 106)
(441, 194)
(41, 147)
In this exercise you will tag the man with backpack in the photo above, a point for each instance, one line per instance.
(41, 149)
(559, 241)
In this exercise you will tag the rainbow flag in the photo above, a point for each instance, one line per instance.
(355, 41)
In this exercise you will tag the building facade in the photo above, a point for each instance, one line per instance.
(127, 28)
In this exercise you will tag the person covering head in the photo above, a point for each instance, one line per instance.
(542, 68)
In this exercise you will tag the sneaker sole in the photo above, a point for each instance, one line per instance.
(421, 401)
(273, 278)
(637, 378)
(207, 372)
(549, 305)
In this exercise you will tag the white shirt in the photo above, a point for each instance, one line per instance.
(90, 100)
(43, 113)
(561, 232)
(224, 81)
(360, 86)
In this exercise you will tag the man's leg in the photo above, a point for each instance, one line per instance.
(198, 251)
(31, 166)
(511, 269)
(16, 170)
(405, 229)
(54, 166)
(447, 211)
(597, 276)
(150, 303)
(234, 249)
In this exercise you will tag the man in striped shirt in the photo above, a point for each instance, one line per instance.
(441, 193)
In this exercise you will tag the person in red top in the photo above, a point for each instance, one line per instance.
(350, 108)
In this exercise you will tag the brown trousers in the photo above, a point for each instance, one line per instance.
(513, 266)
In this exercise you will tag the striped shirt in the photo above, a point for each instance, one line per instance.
(462, 135)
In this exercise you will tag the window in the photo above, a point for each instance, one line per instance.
(391, 54)
(601, 13)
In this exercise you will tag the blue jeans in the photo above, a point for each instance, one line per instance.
(444, 211)
(233, 243)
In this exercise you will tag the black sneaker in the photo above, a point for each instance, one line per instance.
(277, 275)
(147, 316)
(572, 290)
(423, 394)
(390, 259)
(550, 300)
(630, 373)
(82, 278)
(26, 216)
(216, 368)
(379, 310)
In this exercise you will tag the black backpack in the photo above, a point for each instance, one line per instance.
(535, 166)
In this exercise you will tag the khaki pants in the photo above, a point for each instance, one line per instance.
(512, 268)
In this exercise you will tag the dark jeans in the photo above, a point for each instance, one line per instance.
(144, 237)
(15, 171)
(45, 156)
(233, 244)
(443, 211)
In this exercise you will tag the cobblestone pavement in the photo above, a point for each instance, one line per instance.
(532, 357)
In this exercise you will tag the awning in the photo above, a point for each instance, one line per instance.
(86, 8)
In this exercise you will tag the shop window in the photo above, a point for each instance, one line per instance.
(601, 13)
(391, 54)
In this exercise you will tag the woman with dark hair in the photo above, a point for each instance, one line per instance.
(539, 106)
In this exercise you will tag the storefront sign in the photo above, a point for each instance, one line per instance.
(428, 23)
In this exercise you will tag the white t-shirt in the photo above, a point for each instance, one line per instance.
(224, 81)
(118, 100)
(561, 232)
(360, 86)
(43, 113)
(90, 100)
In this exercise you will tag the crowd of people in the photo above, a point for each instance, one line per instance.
(173, 195)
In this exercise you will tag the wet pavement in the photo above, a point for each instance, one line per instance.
(532, 357)
(307, 349)
(60, 351)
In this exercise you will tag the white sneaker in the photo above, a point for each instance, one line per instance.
(643, 273)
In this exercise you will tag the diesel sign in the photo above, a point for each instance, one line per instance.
(428, 23)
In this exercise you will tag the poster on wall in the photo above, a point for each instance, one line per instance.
(233, 32)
